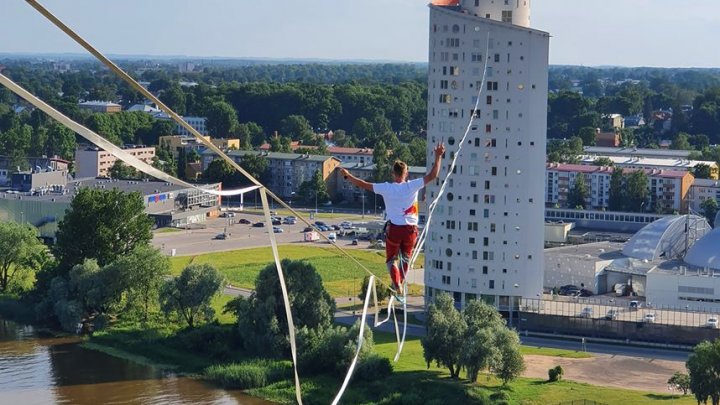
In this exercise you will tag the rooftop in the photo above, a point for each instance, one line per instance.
(632, 151)
(595, 251)
(360, 166)
(670, 162)
(276, 155)
(99, 103)
(563, 167)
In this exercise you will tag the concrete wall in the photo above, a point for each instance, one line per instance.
(602, 328)
(696, 291)
(562, 270)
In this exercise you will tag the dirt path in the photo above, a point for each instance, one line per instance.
(609, 371)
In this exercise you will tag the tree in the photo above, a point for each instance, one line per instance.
(298, 127)
(604, 161)
(189, 295)
(143, 271)
(402, 153)
(702, 171)
(219, 171)
(280, 144)
(681, 142)
(617, 191)
(256, 165)
(314, 189)
(509, 363)
(121, 171)
(704, 369)
(636, 191)
(60, 142)
(680, 381)
(479, 348)
(587, 134)
(20, 251)
(381, 172)
(709, 209)
(221, 119)
(418, 150)
(579, 194)
(101, 224)
(174, 97)
(382, 293)
(445, 331)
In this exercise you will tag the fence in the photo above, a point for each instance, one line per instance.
(607, 318)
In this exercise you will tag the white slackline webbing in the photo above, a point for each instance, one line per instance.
(371, 285)
(283, 287)
(107, 145)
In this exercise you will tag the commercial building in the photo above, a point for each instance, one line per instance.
(38, 164)
(95, 162)
(672, 262)
(486, 238)
(100, 106)
(360, 156)
(632, 152)
(287, 171)
(667, 189)
(167, 204)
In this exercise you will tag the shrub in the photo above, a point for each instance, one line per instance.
(251, 374)
(374, 368)
(555, 374)
(500, 396)
(213, 340)
(330, 350)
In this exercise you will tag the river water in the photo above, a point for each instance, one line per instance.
(41, 370)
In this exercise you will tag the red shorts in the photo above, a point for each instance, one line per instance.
(400, 240)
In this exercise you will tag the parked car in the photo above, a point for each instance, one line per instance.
(335, 227)
(649, 317)
(320, 223)
(308, 229)
(586, 312)
(324, 228)
(612, 314)
(276, 222)
(221, 236)
(584, 293)
(634, 305)
(277, 229)
(290, 220)
(568, 290)
(346, 224)
(332, 237)
(354, 242)
(712, 322)
(244, 221)
(259, 225)
(231, 215)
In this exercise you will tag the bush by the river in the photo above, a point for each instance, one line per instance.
(250, 374)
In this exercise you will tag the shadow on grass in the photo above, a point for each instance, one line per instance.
(663, 397)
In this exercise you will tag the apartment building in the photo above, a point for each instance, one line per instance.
(95, 162)
(667, 189)
(486, 238)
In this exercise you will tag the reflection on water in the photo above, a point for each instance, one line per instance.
(37, 370)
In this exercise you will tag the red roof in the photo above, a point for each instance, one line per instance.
(446, 2)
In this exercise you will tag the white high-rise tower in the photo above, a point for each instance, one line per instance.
(487, 233)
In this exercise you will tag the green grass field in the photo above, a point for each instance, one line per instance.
(340, 275)
(525, 391)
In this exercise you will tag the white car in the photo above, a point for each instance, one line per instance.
(332, 237)
(649, 317)
(586, 312)
(712, 323)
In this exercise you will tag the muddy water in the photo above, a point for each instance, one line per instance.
(41, 370)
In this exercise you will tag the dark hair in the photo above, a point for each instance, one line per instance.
(399, 168)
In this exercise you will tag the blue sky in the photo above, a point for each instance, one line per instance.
(589, 32)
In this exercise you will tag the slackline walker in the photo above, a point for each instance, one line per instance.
(405, 266)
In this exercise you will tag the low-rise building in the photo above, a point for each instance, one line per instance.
(95, 162)
(360, 156)
(8, 166)
(702, 190)
(167, 204)
(179, 144)
(226, 144)
(199, 123)
(609, 139)
(100, 106)
(633, 152)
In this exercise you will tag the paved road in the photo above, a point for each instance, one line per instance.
(240, 236)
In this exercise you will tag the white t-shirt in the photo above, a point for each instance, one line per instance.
(401, 200)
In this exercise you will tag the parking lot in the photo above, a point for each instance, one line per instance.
(241, 236)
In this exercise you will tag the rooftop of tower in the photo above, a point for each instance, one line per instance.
(453, 6)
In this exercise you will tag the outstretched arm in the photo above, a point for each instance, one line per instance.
(435, 171)
(354, 180)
